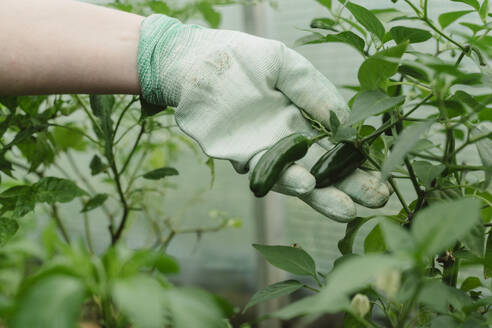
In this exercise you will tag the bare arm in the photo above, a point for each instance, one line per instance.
(65, 46)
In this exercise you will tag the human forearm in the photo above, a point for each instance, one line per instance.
(64, 46)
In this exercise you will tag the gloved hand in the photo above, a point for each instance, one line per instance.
(237, 94)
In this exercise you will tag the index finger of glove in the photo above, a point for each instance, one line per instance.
(310, 90)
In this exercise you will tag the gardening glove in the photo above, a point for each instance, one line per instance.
(237, 95)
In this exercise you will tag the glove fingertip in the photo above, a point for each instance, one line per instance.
(332, 203)
(295, 181)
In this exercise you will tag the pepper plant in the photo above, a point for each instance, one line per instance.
(428, 83)
(110, 157)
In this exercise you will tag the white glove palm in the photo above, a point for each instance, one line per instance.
(237, 94)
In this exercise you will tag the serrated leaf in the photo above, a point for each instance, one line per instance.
(374, 242)
(367, 19)
(404, 143)
(473, 3)
(448, 18)
(160, 173)
(377, 69)
(427, 172)
(371, 103)
(290, 259)
(96, 165)
(440, 225)
(8, 228)
(273, 291)
(51, 190)
(413, 35)
(94, 202)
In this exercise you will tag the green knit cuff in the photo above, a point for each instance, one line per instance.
(155, 34)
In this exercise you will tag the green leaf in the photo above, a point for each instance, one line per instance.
(102, 107)
(487, 266)
(273, 291)
(470, 283)
(427, 172)
(69, 137)
(18, 199)
(473, 3)
(404, 143)
(142, 300)
(484, 10)
(347, 37)
(37, 150)
(371, 103)
(149, 259)
(377, 69)
(413, 35)
(440, 225)
(475, 240)
(448, 18)
(149, 109)
(345, 244)
(160, 173)
(367, 19)
(51, 190)
(159, 7)
(194, 308)
(438, 296)
(211, 165)
(53, 301)
(211, 16)
(8, 228)
(323, 23)
(290, 259)
(9, 101)
(96, 165)
(484, 148)
(396, 238)
(94, 202)
(374, 242)
(326, 3)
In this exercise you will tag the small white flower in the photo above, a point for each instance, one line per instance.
(389, 282)
(360, 304)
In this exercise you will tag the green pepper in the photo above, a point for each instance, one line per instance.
(337, 164)
(280, 156)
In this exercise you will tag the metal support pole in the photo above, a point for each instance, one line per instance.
(269, 211)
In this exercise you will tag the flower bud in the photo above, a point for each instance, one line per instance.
(389, 282)
(360, 304)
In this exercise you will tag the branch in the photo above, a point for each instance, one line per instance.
(137, 141)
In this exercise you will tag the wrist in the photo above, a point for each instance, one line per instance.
(155, 56)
